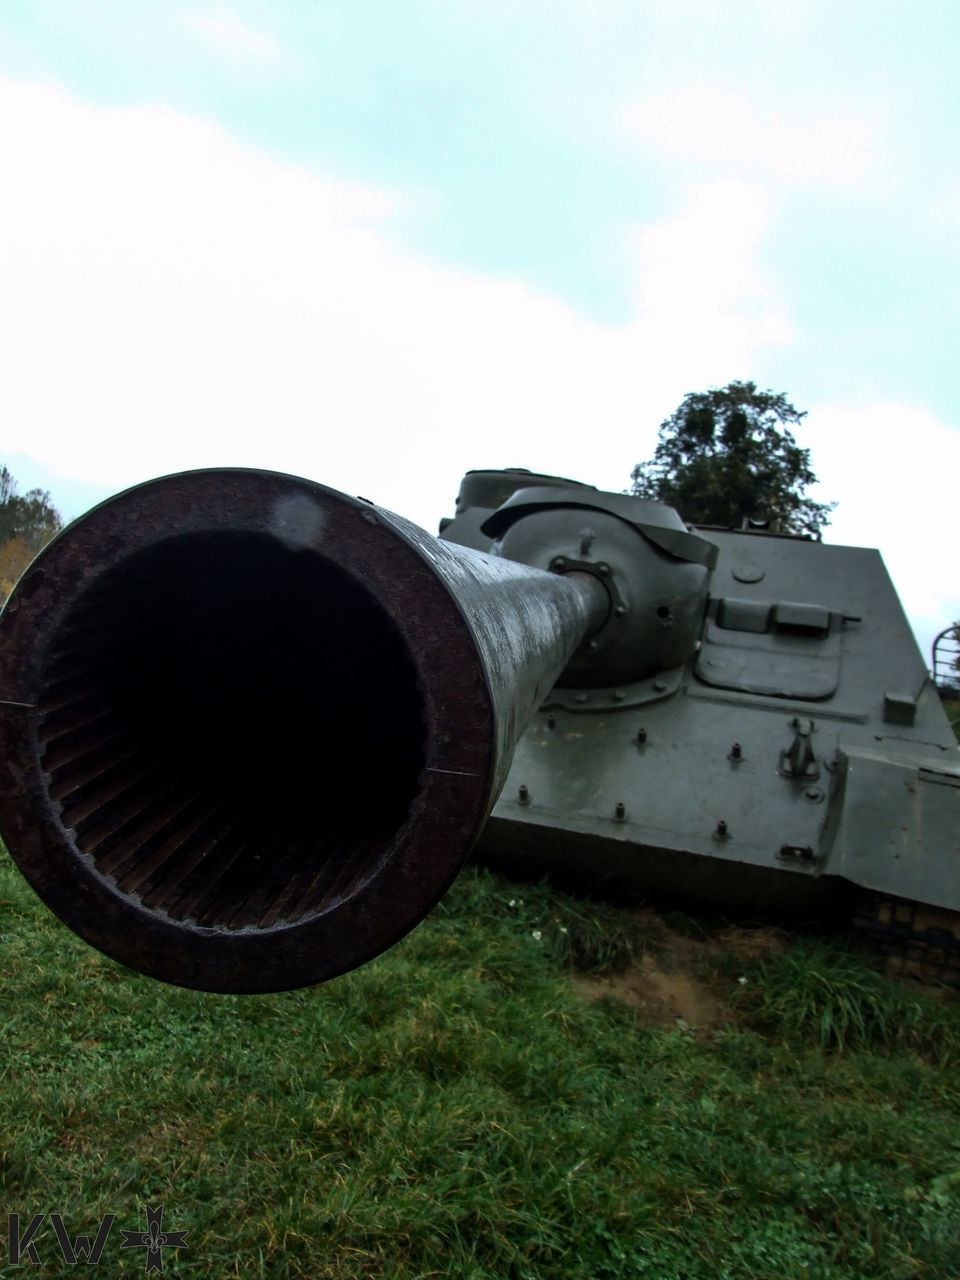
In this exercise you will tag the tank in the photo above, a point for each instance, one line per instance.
(251, 728)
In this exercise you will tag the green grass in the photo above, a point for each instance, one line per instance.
(455, 1109)
(822, 993)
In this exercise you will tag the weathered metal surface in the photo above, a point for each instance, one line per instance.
(800, 748)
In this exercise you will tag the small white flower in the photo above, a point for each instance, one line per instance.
(536, 935)
(563, 928)
(742, 981)
(512, 902)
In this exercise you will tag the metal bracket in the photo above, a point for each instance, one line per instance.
(654, 689)
(799, 761)
(600, 569)
(801, 854)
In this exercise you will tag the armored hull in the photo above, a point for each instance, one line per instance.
(799, 761)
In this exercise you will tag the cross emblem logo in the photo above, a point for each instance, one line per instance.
(154, 1239)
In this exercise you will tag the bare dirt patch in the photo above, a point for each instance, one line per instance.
(682, 978)
(660, 996)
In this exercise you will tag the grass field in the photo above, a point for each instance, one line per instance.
(460, 1108)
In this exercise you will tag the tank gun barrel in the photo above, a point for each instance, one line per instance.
(250, 727)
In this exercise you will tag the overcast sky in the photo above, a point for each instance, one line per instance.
(379, 243)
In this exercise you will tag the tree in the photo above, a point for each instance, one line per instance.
(727, 455)
(27, 523)
(15, 555)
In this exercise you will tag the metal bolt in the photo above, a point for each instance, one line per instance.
(592, 646)
(721, 832)
(524, 795)
(618, 695)
(579, 697)
(620, 610)
(736, 751)
(620, 812)
(659, 685)
(641, 737)
(559, 562)
(603, 568)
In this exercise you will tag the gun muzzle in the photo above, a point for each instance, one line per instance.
(250, 727)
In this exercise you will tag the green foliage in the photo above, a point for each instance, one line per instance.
(824, 993)
(454, 1108)
(727, 455)
(27, 523)
(30, 517)
(588, 936)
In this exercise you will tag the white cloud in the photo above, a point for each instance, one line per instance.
(174, 300)
(724, 129)
(894, 471)
(699, 285)
(225, 32)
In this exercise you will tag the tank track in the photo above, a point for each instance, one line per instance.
(921, 941)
